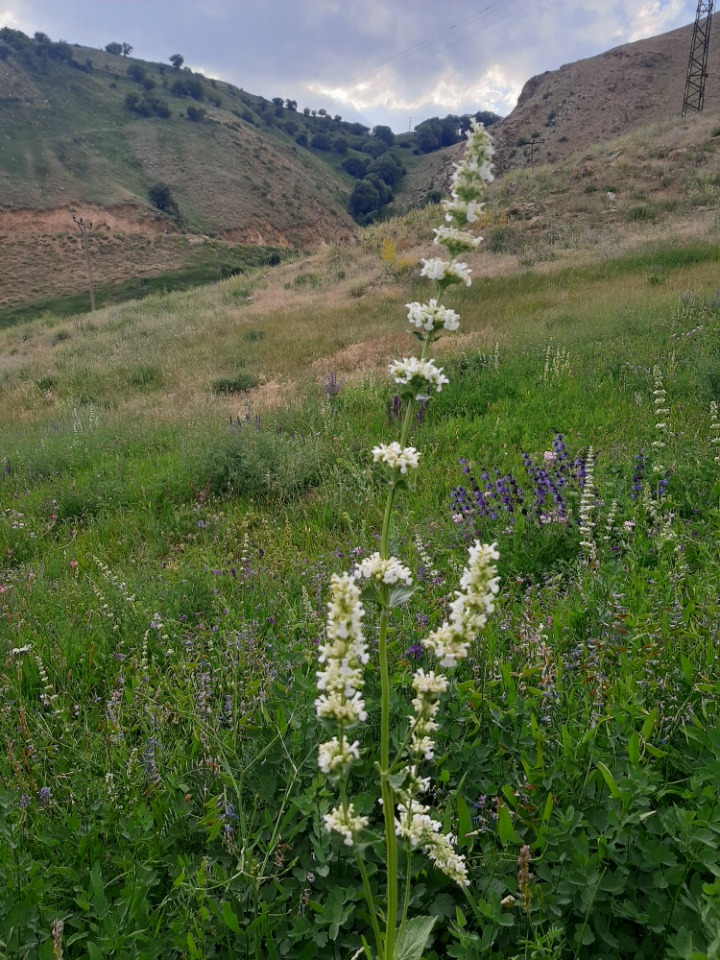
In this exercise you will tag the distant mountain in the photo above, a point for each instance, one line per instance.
(598, 99)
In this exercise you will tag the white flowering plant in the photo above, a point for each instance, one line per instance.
(386, 583)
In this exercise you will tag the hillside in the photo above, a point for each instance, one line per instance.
(595, 100)
(88, 132)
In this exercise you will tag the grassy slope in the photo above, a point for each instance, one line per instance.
(123, 480)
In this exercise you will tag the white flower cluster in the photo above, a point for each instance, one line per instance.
(395, 456)
(715, 428)
(469, 610)
(456, 241)
(661, 411)
(344, 821)
(586, 510)
(432, 316)
(344, 653)
(389, 571)
(428, 687)
(413, 823)
(470, 177)
(337, 755)
(463, 207)
(418, 373)
(451, 271)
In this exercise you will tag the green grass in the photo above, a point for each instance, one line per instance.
(170, 576)
(210, 267)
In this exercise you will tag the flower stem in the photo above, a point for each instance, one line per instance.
(388, 796)
(370, 899)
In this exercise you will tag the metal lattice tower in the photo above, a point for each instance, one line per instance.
(694, 98)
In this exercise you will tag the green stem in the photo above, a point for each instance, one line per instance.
(387, 792)
(406, 898)
(388, 796)
(370, 899)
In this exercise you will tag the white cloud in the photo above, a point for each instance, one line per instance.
(654, 18)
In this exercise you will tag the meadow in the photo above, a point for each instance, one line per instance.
(179, 479)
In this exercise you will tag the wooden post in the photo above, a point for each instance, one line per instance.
(533, 143)
(83, 228)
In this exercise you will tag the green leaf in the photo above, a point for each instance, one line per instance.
(231, 921)
(396, 780)
(371, 594)
(465, 824)
(506, 831)
(609, 780)
(649, 723)
(414, 938)
(687, 668)
(400, 595)
(309, 952)
(633, 749)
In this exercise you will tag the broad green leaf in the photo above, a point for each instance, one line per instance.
(609, 780)
(506, 831)
(414, 938)
(547, 809)
(400, 595)
(231, 921)
(396, 780)
(465, 824)
(687, 668)
(633, 749)
(649, 723)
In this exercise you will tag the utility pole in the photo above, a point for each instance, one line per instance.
(694, 98)
(83, 228)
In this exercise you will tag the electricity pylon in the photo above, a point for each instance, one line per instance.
(694, 98)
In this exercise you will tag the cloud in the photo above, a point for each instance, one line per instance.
(654, 18)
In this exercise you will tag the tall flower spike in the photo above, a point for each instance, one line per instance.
(344, 654)
(469, 610)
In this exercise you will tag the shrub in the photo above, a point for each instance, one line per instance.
(240, 383)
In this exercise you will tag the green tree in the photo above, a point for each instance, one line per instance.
(388, 167)
(355, 166)
(196, 114)
(374, 146)
(364, 199)
(136, 72)
(177, 60)
(161, 197)
(115, 49)
(321, 141)
(384, 133)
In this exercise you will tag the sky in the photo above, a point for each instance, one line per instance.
(393, 62)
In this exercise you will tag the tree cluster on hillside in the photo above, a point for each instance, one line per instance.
(119, 49)
(37, 52)
(437, 132)
(372, 157)
(160, 195)
(147, 106)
